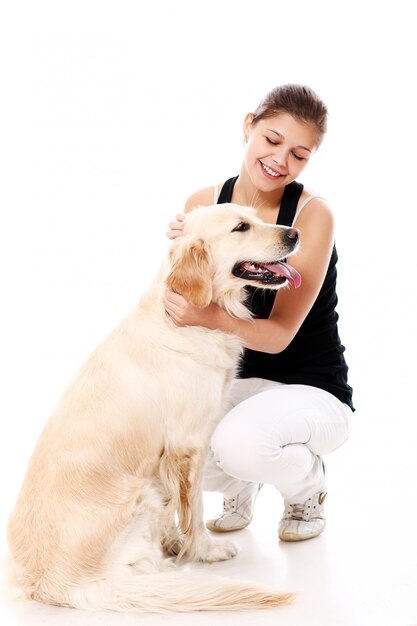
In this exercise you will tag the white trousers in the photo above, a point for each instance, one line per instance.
(276, 433)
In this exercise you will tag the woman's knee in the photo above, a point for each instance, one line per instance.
(329, 436)
(236, 452)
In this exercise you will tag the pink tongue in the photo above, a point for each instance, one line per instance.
(283, 269)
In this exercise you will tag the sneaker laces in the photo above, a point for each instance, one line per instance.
(229, 505)
(295, 511)
(303, 512)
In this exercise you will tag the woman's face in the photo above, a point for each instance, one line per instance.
(277, 150)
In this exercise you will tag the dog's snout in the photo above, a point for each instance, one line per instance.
(292, 234)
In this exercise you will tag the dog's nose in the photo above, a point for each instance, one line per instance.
(292, 234)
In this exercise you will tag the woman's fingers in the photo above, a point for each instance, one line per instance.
(175, 228)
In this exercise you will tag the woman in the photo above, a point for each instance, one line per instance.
(291, 403)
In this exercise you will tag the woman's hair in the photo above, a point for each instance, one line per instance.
(299, 101)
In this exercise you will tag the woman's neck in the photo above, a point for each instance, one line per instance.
(266, 204)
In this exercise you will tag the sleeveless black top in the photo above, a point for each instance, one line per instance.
(315, 355)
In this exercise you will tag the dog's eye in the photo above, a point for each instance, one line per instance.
(241, 227)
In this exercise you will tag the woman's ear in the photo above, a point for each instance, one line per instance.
(247, 125)
(190, 272)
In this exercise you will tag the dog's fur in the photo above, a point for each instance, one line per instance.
(114, 484)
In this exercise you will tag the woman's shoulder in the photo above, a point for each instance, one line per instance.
(312, 202)
(202, 197)
(308, 195)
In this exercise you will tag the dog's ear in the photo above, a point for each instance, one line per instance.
(190, 272)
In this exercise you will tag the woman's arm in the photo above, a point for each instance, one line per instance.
(291, 305)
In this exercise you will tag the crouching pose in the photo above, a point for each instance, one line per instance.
(292, 403)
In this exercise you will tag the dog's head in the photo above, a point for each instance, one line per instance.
(226, 247)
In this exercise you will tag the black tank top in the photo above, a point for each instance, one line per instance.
(315, 355)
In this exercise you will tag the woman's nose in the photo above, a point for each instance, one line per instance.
(280, 158)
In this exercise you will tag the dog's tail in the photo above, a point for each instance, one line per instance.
(175, 591)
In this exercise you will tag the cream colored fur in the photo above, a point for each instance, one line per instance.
(113, 487)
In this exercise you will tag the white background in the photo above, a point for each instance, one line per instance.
(112, 113)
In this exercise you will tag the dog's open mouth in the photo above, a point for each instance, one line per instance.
(268, 273)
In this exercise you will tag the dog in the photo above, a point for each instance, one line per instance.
(112, 498)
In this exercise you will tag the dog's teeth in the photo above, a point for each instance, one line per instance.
(255, 267)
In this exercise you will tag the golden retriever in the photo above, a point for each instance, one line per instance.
(113, 487)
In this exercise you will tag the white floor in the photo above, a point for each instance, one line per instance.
(361, 572)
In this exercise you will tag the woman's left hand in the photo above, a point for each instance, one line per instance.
(183, 313)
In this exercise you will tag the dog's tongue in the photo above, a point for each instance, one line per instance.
(283, 269)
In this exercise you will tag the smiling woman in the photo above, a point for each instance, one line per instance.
(292, 402)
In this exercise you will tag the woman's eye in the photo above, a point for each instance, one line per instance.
(241, 227)
(274, 143)
(298, 157)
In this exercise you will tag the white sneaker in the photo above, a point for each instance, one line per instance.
(303, 521)
(237, 511)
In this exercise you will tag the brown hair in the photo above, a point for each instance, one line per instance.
(299, 101)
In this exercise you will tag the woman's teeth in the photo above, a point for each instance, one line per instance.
(269, 171)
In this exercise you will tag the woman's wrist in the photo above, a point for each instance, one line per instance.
(211, 317)
(217, 318)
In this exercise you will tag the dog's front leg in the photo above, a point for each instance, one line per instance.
(197, 544)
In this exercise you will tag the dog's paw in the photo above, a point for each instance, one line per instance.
(217, 551)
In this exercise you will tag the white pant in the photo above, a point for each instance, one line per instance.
(276, 433)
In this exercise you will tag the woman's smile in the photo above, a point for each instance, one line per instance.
(269, 172)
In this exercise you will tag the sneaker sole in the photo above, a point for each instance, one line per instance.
(219, 529)
(293, 537)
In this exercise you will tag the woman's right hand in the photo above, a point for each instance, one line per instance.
(175, 228)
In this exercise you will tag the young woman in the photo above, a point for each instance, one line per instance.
(291, 403)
